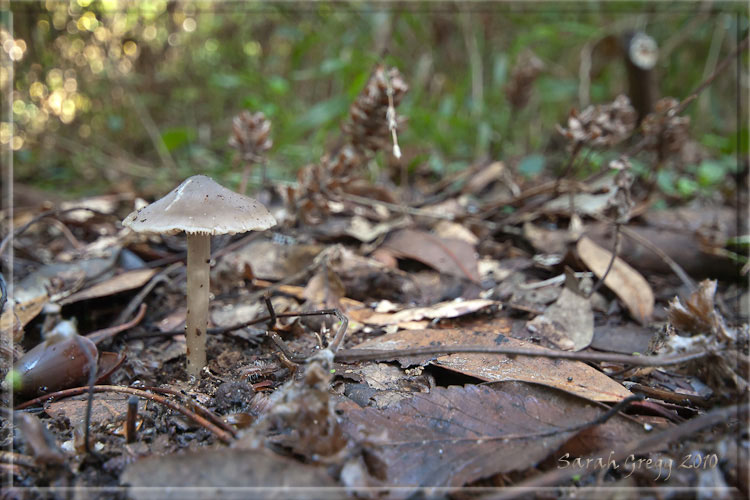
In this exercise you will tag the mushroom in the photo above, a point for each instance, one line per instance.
(200, 207)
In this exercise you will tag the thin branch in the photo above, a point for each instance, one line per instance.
(141, 295)
(105, 333)
(708, 81)
(674, 266)
(615, 251)
(220, 433)
(49, 213)
(226, 329)
(199, 408)
(351, 355)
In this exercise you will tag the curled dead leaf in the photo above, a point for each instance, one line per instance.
(627, 283)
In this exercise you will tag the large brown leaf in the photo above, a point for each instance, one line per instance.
(572, 376)
(456, 435)
(116, 284)
(446, 255)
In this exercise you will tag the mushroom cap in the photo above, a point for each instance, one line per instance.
(200, 205)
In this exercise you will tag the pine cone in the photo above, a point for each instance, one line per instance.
(251, 136)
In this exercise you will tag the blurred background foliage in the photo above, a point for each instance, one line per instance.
(110, 94)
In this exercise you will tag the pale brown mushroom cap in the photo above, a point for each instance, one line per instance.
(200, 205)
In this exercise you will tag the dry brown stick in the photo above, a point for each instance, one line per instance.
(561, 475)
(9, 457)
(350, 355)
(226, 329)
(674, 266)
(573, 155)
(105, 333)
(708, 81)
(199, 408)
(422, 212)
(130, 419)
(219, 433)
(49, 213)
(564, 186)
(141, 295)
(300, 275)
(615, 251)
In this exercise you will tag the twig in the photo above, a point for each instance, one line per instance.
(9, 457)
(49, 213)
(421, 212)
(141, 295)
(674, 266)
(561, 475)
(351, 355)
(573, 155)
(271, 312)
(615, 251)
(91, 360)
(105, 333)
(226, 329)
(131, 418)
(300, 275)
(404, 209)
(199, 408)
(219, 433)
(719, 68)
(337, 339)
(68, 234)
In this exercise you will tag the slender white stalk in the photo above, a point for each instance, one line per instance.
(198, 259)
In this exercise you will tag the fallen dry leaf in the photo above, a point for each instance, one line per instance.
(572, 376)
(697, 315)
(269, 260)
(299, 292)
(627, 283)
(324, 289)
(107, 407)
(365, 231)
(449, 309)
(568, 323)
(456, 231)
(120, 283)
(456, 435)
(16, 316)
(446, 255)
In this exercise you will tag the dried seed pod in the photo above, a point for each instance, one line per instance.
(522, 77)
(603, 125)
(368, 128)
(665, 131)
(251, 135)
(57, 363)
(372, 126)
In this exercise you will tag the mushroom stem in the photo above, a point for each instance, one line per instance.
(198, 259)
